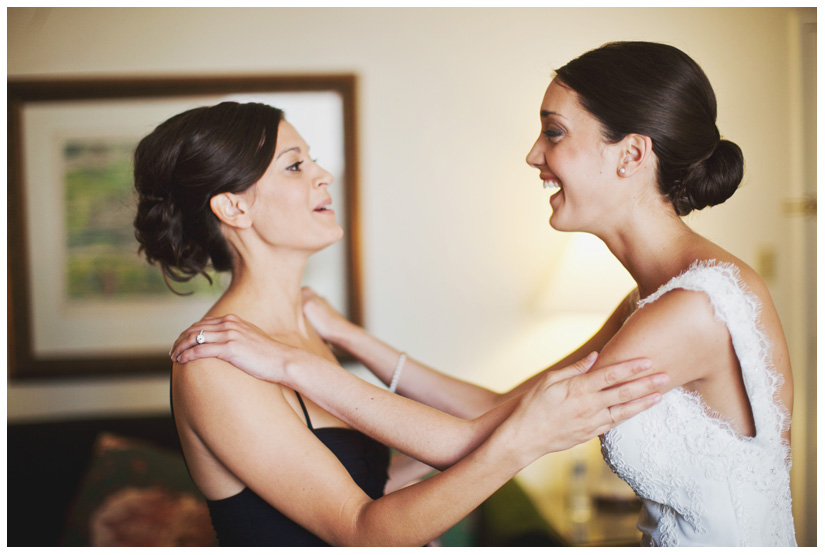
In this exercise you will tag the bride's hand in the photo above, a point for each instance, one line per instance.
(234, 340)
(327, 322)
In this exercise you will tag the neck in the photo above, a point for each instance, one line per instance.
(266, 291)
(653, 247)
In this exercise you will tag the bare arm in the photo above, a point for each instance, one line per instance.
(681, 335)
(248, 426)
(423, 383)
(429, 435)
(678, 332)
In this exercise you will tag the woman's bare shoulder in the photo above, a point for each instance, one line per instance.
(208, 373)
(749, 277)
(677, 331)
(205, 387)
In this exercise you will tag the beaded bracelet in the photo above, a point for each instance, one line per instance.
(397, 374)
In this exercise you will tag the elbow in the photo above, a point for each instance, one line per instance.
(465, 439)
(493, 400)
(345, 530)
(445, 442)
(364, 527)
(483, 401)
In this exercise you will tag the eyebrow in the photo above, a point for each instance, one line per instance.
(548, 113)
(295, 148)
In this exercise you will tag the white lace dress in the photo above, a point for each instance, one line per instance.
(701, 482)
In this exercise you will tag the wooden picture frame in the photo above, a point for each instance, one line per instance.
(58, 130)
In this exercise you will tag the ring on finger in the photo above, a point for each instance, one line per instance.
(200, 338)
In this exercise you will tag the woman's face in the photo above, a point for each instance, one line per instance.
(571, 154)
(290, 204)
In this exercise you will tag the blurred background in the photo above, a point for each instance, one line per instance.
(459, 265)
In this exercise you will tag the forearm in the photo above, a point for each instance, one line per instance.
(595, 343)
(417, 381)
(530, 382)
(421, 512)
(424, 433)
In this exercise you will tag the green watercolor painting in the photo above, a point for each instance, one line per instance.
(102, 261)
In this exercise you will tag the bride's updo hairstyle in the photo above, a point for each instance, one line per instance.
(658, 91)
(185, 162)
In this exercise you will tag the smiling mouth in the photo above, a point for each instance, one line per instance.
(552, 184)
(325, 206)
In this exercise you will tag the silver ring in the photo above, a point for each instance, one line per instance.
(200, 338)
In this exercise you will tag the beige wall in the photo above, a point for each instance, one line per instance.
(455, 235)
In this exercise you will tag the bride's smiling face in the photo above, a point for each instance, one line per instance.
(571, 154)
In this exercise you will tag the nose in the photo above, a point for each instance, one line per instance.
(535, 158)
(325, 178)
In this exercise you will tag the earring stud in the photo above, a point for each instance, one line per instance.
(621, 171)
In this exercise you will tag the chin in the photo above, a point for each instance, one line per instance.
(557, 223)
(319, 244)
(332, 238)
(570, 227)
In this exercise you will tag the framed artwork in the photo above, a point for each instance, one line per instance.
(81, 299)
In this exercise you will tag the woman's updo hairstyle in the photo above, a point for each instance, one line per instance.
(185, 162)
(658, 91)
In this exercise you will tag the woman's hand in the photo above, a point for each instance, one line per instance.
(238, 342)
(575, 404)
(327, 322)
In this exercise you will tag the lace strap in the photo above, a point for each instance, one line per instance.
(739, 309)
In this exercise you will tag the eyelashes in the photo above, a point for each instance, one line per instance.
(553, 134)
(296, 167)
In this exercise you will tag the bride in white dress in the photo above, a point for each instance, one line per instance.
(630, 136)
(629, 143)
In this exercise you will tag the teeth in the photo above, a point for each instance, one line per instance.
(552, 185)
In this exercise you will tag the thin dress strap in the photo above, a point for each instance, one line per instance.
(306, 414)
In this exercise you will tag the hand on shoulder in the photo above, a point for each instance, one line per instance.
(238, 342)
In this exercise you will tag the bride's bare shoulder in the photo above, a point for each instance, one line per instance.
(749, 277)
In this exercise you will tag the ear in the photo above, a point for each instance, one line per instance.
(635, 152)
(231, 209)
